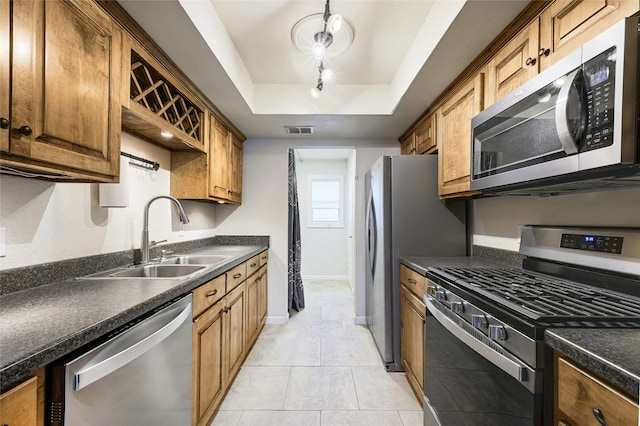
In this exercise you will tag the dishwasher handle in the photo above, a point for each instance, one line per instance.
(93, 373)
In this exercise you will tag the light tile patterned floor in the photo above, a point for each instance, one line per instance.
(319, 369)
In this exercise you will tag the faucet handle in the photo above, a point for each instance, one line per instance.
(164, 253)
(155, 243)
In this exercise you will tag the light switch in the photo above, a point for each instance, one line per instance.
(3, 242)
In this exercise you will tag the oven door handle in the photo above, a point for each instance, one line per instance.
(512, 368)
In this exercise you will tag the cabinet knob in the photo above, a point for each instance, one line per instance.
(4, 123)
(24, 130)
(531, 61)
(544, 52)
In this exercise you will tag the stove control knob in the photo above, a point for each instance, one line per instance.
(479, 321)
(457, 307)
(497, 332)
(440, 295)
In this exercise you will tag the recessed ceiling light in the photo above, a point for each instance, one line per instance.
(166, 134)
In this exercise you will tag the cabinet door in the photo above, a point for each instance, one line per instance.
(253, 300)
(66, 77)
(454, 138)
(208, 348)
(408, 146)
(262, 294)
(19, 406)
(578, 394)
(4, 74)
(218, 161)
(413, 312)
(566, 24)
(513, 65)
(235, 331)
(425, 135)
(235, 171)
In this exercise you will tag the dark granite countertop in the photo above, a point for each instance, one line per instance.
(41, 324)
(613, 354)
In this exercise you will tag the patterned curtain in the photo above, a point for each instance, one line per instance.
(296, 290)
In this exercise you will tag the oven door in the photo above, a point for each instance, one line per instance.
(469, 380)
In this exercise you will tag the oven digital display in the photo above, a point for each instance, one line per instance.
(600, 243)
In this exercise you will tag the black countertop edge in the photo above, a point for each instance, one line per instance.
(612, 354)
(52, 351)
(24, 278)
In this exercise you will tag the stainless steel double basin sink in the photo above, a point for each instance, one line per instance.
(182, 266)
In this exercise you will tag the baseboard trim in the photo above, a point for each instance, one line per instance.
(276, 320)
(360, 320)
(326, 277)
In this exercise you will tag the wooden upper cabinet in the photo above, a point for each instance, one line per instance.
(212, 176)
(566, 24)
(235, 173)
(65, 89)
(513, 65)
(408, 146)
(158, 106)
(219, 161)
(454, 137)
(425, 135)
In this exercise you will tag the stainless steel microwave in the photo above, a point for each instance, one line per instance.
(572, 127)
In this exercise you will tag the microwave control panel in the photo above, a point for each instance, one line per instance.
(599, 75)
(605, 244)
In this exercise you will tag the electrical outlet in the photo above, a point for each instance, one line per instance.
(3, 242)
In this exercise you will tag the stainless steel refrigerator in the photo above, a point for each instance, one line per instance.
(404, 217)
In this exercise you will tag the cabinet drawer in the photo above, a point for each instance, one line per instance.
(264, 257)
(19, 406)
(208, 294)
(252, 265)
(579, 393)
(236, 275)
(413, 281)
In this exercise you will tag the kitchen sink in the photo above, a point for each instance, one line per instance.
(150, 271)
(196, 259)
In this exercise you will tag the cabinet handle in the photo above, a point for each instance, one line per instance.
(530, 61)
(227, 309)
(237, 276)
(213, 293)
(411, 281)
(4, 123)
(253, 265)
(563, 423)
(599, 416)
(544, 52)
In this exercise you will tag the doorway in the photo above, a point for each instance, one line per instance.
(326, 195)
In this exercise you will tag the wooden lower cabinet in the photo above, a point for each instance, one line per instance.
(580, 395)
(412, 338)
(225, 327)
(218, 353)
(19, 405)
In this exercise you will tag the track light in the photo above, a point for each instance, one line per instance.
(323, 39)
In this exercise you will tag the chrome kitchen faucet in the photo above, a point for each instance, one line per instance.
(144, 248)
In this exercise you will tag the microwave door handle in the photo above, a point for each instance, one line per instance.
(509, 366)
(562, 120)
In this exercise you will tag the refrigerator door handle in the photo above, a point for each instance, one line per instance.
(372, 234)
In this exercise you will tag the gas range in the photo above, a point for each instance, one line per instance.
(491, 320)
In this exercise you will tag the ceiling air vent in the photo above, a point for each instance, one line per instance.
(300, 130)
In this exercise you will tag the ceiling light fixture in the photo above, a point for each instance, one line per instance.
(323, 39)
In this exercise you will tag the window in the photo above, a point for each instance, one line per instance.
(326, 195)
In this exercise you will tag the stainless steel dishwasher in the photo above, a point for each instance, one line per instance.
(139, 376)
